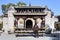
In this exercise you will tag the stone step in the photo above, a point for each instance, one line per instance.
(1, 31)
(31, 31)
(27, 34)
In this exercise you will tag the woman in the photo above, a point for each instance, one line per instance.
(36, 30)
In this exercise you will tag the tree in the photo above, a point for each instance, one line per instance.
(21, 4)
(5, 7)
(10, 4)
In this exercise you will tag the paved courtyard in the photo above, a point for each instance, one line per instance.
(5, 36)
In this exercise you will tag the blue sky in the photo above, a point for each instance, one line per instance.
(54, 5)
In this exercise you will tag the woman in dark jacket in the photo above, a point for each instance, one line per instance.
(36, 30)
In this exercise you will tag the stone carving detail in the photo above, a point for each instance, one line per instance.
(20, 23)
(38, 21)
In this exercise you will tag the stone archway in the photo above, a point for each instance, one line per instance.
(29, 24)
(38, 21)
(30, 21)
(21, 23)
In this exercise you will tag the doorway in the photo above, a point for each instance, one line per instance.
(29, 24)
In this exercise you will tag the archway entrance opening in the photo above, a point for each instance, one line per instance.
(29, 24)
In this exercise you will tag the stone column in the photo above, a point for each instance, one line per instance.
(24, 24)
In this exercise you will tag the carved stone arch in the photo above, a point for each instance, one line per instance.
(38, 21)
(31, 20)
(21, 23)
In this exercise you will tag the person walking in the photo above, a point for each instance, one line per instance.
(36, 31)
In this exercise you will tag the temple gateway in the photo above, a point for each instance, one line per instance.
(25, 17)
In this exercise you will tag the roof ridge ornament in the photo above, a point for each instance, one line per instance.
(46, 8)
(29, 4)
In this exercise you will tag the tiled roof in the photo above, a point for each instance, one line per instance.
(29, 7)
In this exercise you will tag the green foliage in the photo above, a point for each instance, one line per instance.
(21, 4)
(5, 7)
(10, 4)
